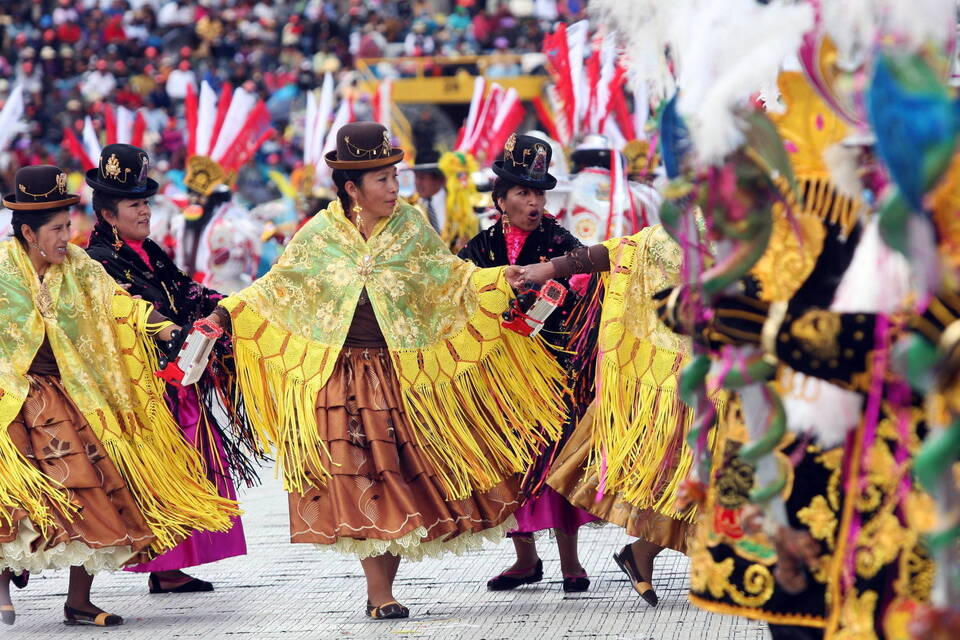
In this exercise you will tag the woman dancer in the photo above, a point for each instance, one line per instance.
(96, 474)
(120, 242)
(626, 458)
(369, 356)
(526, 234)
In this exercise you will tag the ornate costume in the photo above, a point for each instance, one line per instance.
(498, 246)
(95, 470)
(206, 412)
(380, 423)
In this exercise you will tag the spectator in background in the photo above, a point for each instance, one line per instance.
(418, 42)
(179, 79)
(147, 52)
(99, 83)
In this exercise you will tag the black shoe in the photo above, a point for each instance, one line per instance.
(641, 585)
(388, 611)
(21, 579)
(506, 580)
(103, 619)
(194, 585)
(575, 584)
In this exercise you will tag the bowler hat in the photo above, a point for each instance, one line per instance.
(525, 162)
(363, 145)
(40, 188)
(427, 160)
(122, 172)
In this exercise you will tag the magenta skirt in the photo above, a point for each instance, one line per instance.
(550, 510)
(202, 546)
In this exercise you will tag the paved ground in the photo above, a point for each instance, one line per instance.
(290, 591)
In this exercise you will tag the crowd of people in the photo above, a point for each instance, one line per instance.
(72, 56)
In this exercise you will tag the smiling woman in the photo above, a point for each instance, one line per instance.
(207, 413)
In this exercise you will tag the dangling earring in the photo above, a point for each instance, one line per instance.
(117, 242)
(357, 218)
(42, 252)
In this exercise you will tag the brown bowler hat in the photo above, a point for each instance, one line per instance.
(40, 188)
(363, 145)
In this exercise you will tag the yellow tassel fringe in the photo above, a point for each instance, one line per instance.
(22, 486)
(280, 375)
(482, 402)
(639, 433)
(491, 420)
(163, 471)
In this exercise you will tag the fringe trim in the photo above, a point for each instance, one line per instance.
(639, 435)
(412, 547)
(18, 555)
(279, 390)
(493, 419)
(821, 198)
(163, 472)
(24, 487)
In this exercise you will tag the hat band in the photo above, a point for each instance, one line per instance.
(39, 206)
(393, 158)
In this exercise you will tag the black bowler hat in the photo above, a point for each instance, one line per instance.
(39, 189)
(427, 161)
(363, 145)
(122, 172)
(525, 162)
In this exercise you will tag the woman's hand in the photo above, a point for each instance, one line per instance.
(533, 273)
(166, 334)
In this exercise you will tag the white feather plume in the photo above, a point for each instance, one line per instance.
(725, 52)
(641, 29)
(857, 26)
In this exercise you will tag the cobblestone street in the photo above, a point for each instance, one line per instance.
(290, 591)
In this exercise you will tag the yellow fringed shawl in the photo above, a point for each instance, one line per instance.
(482, 400)
(640, 421)
(98, 334)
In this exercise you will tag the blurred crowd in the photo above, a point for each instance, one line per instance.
(71, 56)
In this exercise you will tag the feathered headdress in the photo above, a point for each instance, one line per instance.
(224, 132)
(121, 125)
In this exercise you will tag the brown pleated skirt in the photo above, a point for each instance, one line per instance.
(384, 495)
(572, 479)
(108, 530)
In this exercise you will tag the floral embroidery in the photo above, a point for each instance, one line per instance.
(856, 617)
(819, 518)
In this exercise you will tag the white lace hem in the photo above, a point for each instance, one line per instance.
(18, 555)
(411, 546)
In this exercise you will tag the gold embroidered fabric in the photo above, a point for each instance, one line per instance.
(440, 317)
(817, 331)
(98, 334)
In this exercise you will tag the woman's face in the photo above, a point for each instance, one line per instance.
(377, 192)
(523, 207)
(49, 242)
(132, 219)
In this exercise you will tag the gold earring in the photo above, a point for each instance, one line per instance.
(358, 219)
(117, 242)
